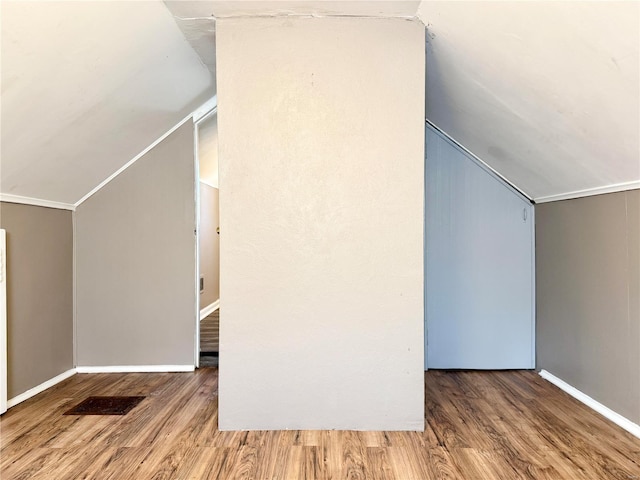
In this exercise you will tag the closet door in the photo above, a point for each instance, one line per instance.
(479, 265)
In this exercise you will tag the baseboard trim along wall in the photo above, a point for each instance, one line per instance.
(209, 309)
(136, 369)
(32, 392)
(616, 418)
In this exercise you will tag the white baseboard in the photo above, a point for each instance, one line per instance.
(40, 388)
(136, 369)
(606, 412)
(110, 369)
(209, 309)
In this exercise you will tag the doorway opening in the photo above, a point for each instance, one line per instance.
(3, 322)
(208, 240)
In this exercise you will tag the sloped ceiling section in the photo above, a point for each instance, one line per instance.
(86, 86)
(197, 23)
(546, 93)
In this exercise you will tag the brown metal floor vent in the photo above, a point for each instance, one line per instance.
(105, 406)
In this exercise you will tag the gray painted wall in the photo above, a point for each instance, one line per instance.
(209, 244)
(135, 262)
(588, 319)
(39, 294)
(321, 133)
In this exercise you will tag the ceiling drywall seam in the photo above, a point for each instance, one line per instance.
(38, 202)
(314, 15)
(315, 8)
(199, 32)
(617, 187)
(481, 163)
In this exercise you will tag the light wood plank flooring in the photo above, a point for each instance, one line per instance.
(210, 332)
(209, 340)
(480, 425)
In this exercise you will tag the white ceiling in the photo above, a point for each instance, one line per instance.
(86, 86)
(546, 93)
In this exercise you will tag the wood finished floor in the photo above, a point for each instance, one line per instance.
(210, 332)
(480, 425)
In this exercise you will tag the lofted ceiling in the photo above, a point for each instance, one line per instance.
(195, 20)
(546, 93)
(86, 86)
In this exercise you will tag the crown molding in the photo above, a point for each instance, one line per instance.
(38, 202)
(588, 192)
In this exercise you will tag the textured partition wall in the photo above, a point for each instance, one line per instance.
(321, 130)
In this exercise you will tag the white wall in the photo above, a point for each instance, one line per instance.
(321, 130)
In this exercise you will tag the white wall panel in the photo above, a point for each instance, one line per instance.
(479, 265)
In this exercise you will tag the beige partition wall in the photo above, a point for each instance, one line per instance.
(321, 131)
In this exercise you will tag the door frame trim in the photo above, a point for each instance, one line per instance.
(208, 110)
